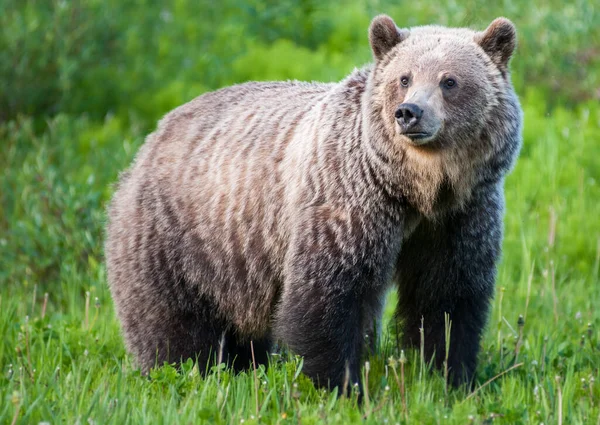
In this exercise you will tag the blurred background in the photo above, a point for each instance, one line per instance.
(141, 58)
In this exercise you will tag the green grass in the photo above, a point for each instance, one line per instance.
(68, 133)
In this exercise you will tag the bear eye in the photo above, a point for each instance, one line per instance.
(449, 83)
(404, 81)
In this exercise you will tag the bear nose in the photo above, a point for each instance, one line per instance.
(408, 115)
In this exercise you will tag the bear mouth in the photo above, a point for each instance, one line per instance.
(418, 137)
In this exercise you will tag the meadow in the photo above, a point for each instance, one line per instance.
(82, 83)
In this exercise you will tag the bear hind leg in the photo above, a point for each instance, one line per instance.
(170, 335)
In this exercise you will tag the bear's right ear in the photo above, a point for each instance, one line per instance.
(384, 34)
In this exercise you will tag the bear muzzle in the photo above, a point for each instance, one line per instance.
(411, 123)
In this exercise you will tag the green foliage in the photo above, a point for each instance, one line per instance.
(82, 82)
(105, 56)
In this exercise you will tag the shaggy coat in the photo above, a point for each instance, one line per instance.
(285, 211)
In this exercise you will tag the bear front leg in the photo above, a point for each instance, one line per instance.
(323, 326)
(449, 267)
(335, 278)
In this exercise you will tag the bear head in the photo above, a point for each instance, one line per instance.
(438, 84)
(443, 97)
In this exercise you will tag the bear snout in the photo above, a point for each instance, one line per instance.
(413, 124)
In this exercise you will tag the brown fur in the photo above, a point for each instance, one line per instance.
(278, 210)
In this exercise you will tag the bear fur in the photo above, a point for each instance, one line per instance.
(285, 211)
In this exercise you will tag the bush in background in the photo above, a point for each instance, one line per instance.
(145, 57)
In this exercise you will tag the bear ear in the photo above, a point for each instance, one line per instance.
(383, 35)
(498, 41)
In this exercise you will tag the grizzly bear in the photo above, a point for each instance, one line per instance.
(285, 211)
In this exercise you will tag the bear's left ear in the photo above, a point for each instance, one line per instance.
(498, 41)
(384, 34)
